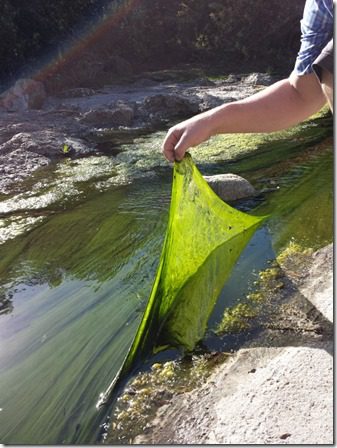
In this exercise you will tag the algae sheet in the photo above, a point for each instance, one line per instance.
(204, 238)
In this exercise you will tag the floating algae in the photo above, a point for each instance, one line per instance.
(204, 238)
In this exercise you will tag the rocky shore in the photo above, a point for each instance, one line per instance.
(278, 389)
(38, 129)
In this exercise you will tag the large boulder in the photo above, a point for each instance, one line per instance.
(165, 106)
(119, 115)
(25, 152)
(46, 143)
(26, 94)
(230, 187)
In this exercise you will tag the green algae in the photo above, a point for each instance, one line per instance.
(148, 390)
(93, 259)
(236, 319)
(268, 290)
(301, 210)
(204, 238)
(156, 386)
(255, 151)
(294, 255)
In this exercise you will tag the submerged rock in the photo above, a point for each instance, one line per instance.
(230, 187)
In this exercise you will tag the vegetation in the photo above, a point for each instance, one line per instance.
(116, 38)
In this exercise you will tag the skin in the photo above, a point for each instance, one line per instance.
(279, 106)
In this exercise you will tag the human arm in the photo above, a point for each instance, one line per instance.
(277, 107)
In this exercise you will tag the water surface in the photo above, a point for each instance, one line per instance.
(75, 280)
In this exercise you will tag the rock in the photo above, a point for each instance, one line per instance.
(117, 66)
(168, 106)
(78, 92)
(233, 78)
(210, 101)
(258, 79)
(318, 288)
(26, 152)
(17, 166)
(46, 143)
(121, 115)
(26, 94)
(230, 187)
(145, 82)
(289, 397)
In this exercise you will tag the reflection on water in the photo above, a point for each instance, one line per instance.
(73, 288)
(78, 284)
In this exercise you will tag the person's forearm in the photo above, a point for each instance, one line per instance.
(277, 107)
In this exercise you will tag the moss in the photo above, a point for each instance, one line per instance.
(256, 297)
(148, 390)
(270, 279)
(295, 259)
(293, 250)
(268, 287)
(283, 144)
(236, 319)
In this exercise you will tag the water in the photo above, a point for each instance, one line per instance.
(78, 263)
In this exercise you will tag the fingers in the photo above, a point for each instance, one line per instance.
(175, 145)
(170, 141)
(181, 147)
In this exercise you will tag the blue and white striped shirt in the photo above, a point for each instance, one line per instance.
(317, 31)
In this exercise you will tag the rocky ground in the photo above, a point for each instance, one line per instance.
(37, 130)
(278, 389)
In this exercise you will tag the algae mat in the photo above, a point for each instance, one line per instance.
(204, 238)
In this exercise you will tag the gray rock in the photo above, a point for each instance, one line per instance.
(26, 94)
(46, 143)
(168, 106)
(258, 79)
(233, 78)
(26, 152)
(145, 82)
(117, 116)
(210, 101)
(318, 287)
(230, 187)
(78, 92)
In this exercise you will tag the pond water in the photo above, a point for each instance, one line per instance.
(81, 252)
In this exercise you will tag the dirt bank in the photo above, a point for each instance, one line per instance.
(276, 390)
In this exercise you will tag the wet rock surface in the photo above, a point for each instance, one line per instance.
(118, 115)
(36, 127)
(275, 390)
(230, 187)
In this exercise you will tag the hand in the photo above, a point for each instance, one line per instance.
(185, 135)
